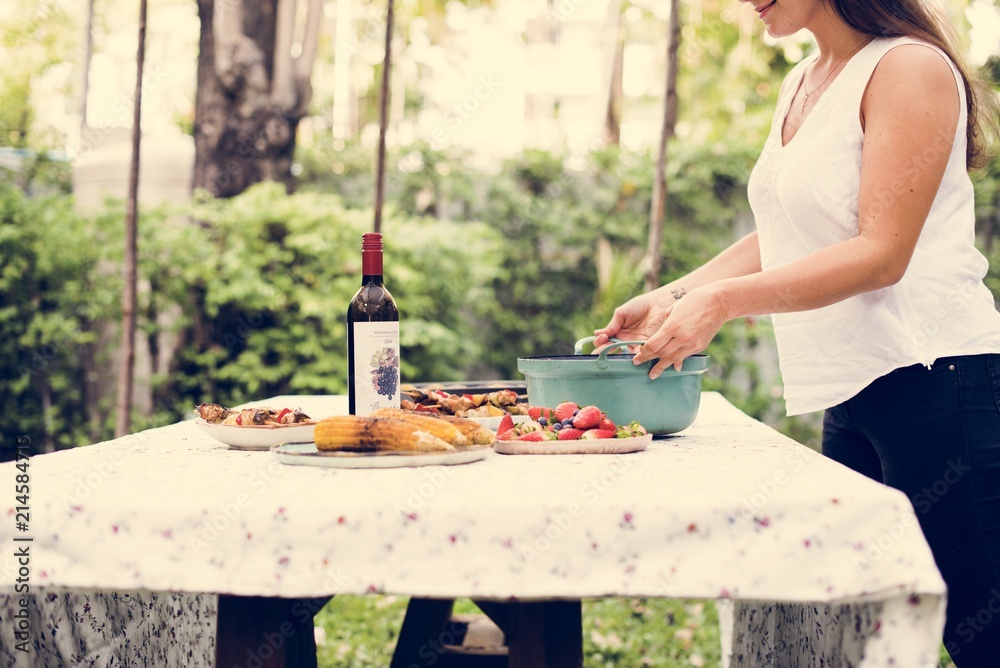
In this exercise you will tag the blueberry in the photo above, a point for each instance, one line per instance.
(542, 421)
(557, 426)
(575, 412)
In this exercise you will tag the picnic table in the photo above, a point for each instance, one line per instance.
(168, 548)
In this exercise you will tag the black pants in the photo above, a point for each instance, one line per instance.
(935, 435)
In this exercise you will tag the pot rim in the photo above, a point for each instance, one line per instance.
(582, 366)
(592, 358)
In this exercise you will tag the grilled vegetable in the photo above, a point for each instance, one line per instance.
(212, 412)
(431, 424)
(475, 433)
(492, 404)
(351, 433)
(260, 416)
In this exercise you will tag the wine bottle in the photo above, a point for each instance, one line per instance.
(372, 337)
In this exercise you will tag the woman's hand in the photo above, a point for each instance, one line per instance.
(635, 320)
(688, 326)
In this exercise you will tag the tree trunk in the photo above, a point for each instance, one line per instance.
(88, 48)
(987, 229)
(616, 94)
(126, 373)
(612, 56)
(91, 392)
(658, 205)
(383, 119)
(45, 390)
(251, 92)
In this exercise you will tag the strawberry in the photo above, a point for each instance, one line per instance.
(598, 433)
(569, 434)
(588, 417)
(536, 436)
(565, 410)
(506, 422)
(606, 423)
(535, 412)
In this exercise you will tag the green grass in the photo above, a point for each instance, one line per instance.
(360, 632)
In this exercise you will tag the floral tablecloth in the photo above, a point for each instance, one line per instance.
(813, 564)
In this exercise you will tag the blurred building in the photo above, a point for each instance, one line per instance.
(101, 167)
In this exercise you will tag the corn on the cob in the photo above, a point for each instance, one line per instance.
(369, 434)
(475, 433)
(440, 428)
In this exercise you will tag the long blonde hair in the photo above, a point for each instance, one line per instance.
(911, 18)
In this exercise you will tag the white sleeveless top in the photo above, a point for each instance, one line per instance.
(804, 197)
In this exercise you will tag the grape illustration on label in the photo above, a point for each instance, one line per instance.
(384, 367)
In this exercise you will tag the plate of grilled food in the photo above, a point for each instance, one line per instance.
(390, 438)
(255, 428)
(486, 405)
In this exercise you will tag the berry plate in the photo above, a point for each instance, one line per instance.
(583, 446)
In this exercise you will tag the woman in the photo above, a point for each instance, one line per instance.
(864, 255)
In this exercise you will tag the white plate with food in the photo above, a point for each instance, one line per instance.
(255, 428)
(306, 454)
(582, 446)
(257, 437)
(493, 422)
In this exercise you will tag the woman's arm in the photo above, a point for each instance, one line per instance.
(740, 259)
(910, 111)
(640, 317)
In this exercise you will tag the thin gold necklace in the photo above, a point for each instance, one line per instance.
(805, 98)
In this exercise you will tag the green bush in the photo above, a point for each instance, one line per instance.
(254, 290)
(52, 296)
(268, 285)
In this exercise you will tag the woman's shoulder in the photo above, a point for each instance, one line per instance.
(910, 79)
(911, 52)
(915, 65)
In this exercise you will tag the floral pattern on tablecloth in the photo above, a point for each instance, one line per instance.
(728, 510)
(110, 630)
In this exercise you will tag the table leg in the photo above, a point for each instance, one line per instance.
(423, 633)
(547, 634)
(266, 632)
(498, 612)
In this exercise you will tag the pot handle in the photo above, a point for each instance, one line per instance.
(615, 343)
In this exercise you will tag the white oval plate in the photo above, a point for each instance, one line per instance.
(306, 454)
(591, 446)
(494, 422)
(257, 437)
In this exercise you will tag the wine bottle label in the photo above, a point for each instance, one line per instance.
(376, 366)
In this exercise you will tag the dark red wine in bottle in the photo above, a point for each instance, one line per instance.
(372, 337)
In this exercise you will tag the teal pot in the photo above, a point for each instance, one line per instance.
(619, 388)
